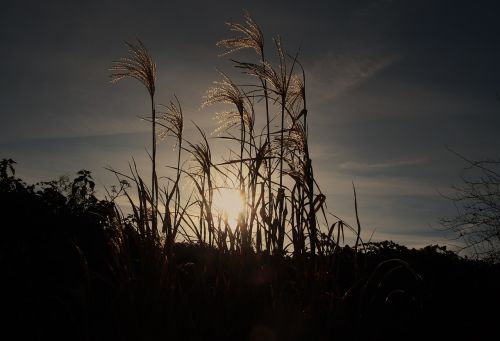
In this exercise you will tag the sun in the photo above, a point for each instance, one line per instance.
(228, 202)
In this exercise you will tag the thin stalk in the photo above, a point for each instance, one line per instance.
(310, 178)
(281, 194)
(154, 180)
(269, 166)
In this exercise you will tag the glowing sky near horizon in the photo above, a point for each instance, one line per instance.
(391, 85)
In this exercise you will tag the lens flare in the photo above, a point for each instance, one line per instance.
(228, 203)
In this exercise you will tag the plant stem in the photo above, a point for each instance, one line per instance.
(154, 182)
(269, 166)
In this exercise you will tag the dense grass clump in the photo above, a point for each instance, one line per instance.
(73, 268)
(264, 123)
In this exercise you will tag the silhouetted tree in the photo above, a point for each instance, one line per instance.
(477, 201)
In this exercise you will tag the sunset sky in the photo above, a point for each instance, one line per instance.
(391, 86)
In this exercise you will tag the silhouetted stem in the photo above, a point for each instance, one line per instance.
(269, 166)
(281, 197)
(154, 180)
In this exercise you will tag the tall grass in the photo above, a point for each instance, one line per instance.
(142, 67)
(176, 267)
(284, 210)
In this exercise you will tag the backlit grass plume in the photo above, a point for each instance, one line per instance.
(141, 66)
(227, 92)
(172, 121)
(251, 37)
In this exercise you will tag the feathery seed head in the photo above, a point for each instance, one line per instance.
(225, 92)
(140, 65)
(297, 90)
(251, 37)
(172, 121)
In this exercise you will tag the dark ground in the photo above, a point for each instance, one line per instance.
(71, 269)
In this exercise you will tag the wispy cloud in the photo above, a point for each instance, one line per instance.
(360, 166)
(336, 72)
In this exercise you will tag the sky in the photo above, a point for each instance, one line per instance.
(392, 86)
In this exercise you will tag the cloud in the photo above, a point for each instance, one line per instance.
(336, 72)
(360, 166)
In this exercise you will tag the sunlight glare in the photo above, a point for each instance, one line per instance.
(228, 201)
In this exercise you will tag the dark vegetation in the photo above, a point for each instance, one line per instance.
(174, 267)
(477, 203)
(72, 268)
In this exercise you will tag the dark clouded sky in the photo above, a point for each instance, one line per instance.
(391, 85)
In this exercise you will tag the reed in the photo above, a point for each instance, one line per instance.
(284, 209)
(142, 67)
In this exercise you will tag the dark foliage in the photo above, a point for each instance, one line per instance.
(73, 269)
(477, 203)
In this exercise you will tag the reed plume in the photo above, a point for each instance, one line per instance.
(227, 92)
(172, 121)
(141, 66)
(251, 37)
